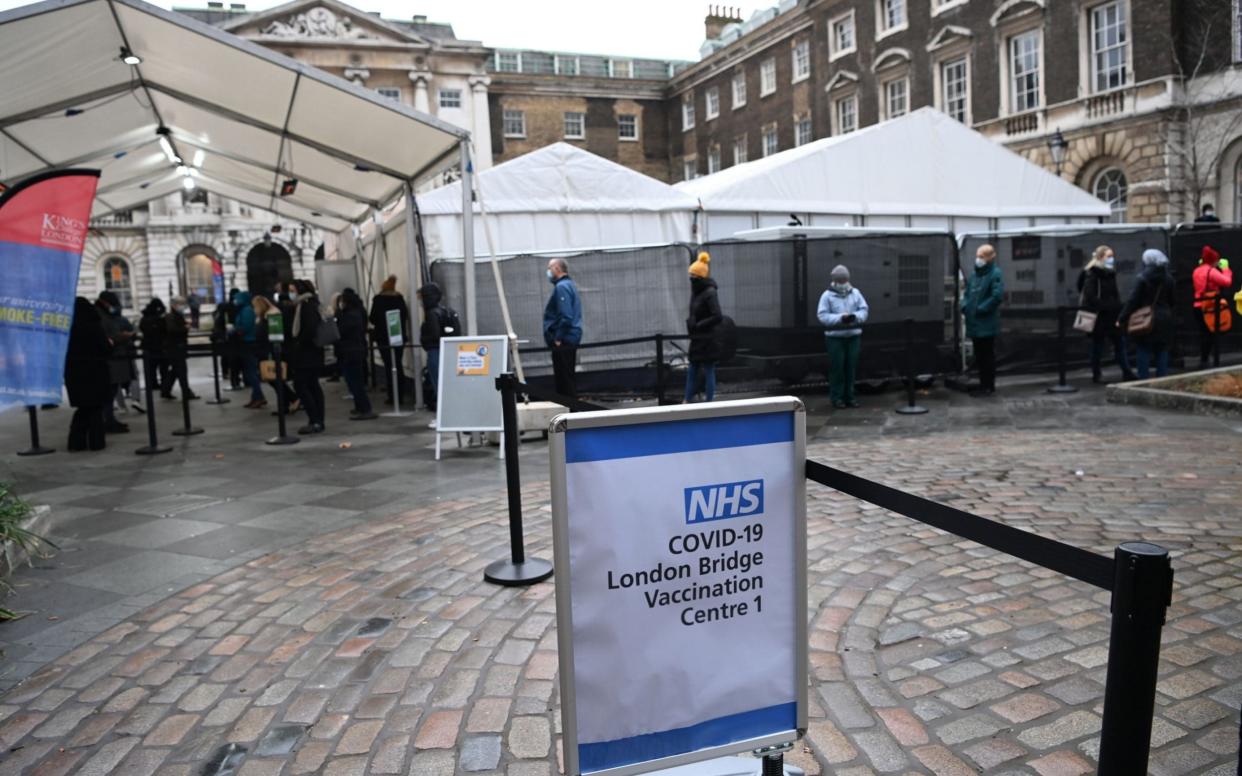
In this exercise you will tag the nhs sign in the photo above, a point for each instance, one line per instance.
(719, 502)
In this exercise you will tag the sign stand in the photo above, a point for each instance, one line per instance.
(467, 399)
(35, 448)
(276, 335)
(396, 341)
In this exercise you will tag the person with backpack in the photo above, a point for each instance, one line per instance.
(1212, 279)
(389, 298)
(351, 351)
(307, 356)
(1151, 307)
(438, 321)
(841, 308)
(702, 324)
(1098, 295)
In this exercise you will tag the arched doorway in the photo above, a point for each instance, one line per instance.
(267, 264)
(201, 273)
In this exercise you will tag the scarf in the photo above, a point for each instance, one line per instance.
(843, 291)
(297, 314)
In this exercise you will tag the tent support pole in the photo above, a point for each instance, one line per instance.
(514, 355)
(416, 275)
(467, 236)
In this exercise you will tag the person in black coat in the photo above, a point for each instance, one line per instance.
(1097, 293)
(1155, 288)
(87, 379)
(390, 299)
(176, 350)
(704, 318)
(351, 351)
(307, 358)
(151, 327)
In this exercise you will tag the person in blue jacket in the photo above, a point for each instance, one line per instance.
(246, 326)
(981, 303)
(562, 326)
(840, 308)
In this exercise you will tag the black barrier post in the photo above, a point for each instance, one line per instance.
(215, 377)
(1062, 386)
(911, 408)
(153, 443)
(282, 403)
(35, 448)
(519, 570)
(659, 384)
(188, 428)
(774, 765)
(1142, 591)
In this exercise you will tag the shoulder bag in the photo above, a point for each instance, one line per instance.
(1143, 320)
(1085, 320)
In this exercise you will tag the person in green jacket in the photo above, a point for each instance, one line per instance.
(985, 291)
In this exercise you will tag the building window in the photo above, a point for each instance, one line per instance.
(739, 89)
(712, 100)
(841, 40)
(847, 114)
(200, 276)
(621, 68)
(689, 168)
(575, 126)
(801, 61)
(687, 112)
(895, 96)
(566, 65)
(944, 5)
(117, 279)
(1110, 185)
(450, 98)
(770, 142)
(954, 89)
(1109, 44)
(514, 122)
(767, 77)
(891, 16)
(390, 92)
(1024, 87)
(802, 130)
(508, 61)
(740, 154)
(713, 160)
(627, 127)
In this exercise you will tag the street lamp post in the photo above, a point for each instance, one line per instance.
(1056, 146)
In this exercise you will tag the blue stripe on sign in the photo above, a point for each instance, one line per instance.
(677, 436)
(713, 732)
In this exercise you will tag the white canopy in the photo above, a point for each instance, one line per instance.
(557, 198)
(239, 117)
(922, 170)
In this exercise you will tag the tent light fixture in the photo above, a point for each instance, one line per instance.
(288, 187)
(74, 111)
(129, 57)
(166, 145)
(188, 183)
(183, 170)
(199, 157)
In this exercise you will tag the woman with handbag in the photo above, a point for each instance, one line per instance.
(1099, 302)
(263, 307)
(1147, 317)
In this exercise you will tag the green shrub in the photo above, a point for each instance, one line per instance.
(12, 512)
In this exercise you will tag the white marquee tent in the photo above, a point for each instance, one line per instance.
(558, 198)
(923, 170)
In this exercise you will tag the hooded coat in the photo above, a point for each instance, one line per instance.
(151, 326)
(86, 361)
(704, 319)
(432, 330)
(246, 322)
(351, 321)
(1156, 288)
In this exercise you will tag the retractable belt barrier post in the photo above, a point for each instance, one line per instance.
(518, 570)
(215, 376)
(153, 443)
(1062, 385)
(35, 448)
(188, 429)
(911, 408)
(282, 403)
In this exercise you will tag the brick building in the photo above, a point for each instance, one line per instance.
(1146, 101)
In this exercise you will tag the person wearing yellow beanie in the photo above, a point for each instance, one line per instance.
(705, 318)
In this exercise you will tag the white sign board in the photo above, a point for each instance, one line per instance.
(681, 603)
(466, 396)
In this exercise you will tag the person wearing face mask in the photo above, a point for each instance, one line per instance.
(705, 318)
(562, 326)
(1208, 215)
(1097, 293)
(841, 308)
(981, 303)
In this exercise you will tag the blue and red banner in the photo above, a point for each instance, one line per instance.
(43, 225)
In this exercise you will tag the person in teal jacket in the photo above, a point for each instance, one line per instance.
(985, 291)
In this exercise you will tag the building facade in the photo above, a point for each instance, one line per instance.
(1128, 99)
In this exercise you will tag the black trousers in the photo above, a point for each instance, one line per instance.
(1207, 340)
(387, 354)
(310, 392)
(173, 370)
(564, 360)
(86, 429)
(985, 361)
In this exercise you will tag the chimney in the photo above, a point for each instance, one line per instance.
(717, 17)
(420, 19)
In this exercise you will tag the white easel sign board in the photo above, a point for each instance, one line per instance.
(466, 396)
(680, 555)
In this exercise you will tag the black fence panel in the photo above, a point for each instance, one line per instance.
(1186, 246)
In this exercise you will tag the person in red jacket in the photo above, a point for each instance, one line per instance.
(1211, 278)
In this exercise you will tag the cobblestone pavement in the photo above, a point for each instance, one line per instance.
(377, 648)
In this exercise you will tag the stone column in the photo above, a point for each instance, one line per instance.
(421, 101)
(480, 122)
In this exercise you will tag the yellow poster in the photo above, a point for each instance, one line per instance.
(473, 358)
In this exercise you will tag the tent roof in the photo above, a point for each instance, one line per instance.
(924, 163)
(242, 116)
(561, 178)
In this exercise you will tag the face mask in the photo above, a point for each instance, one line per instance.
(551, 277)
(114, 310)
(837, 286)
(1110, 262)
(980, 263)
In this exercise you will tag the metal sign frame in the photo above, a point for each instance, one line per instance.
(564, 593)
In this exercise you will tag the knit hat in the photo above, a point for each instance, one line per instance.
(1209, 255)
(840, 271)
(1153, 257)
(699, 268)
(389, 284)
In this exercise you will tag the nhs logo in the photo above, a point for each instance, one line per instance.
(719, 502)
